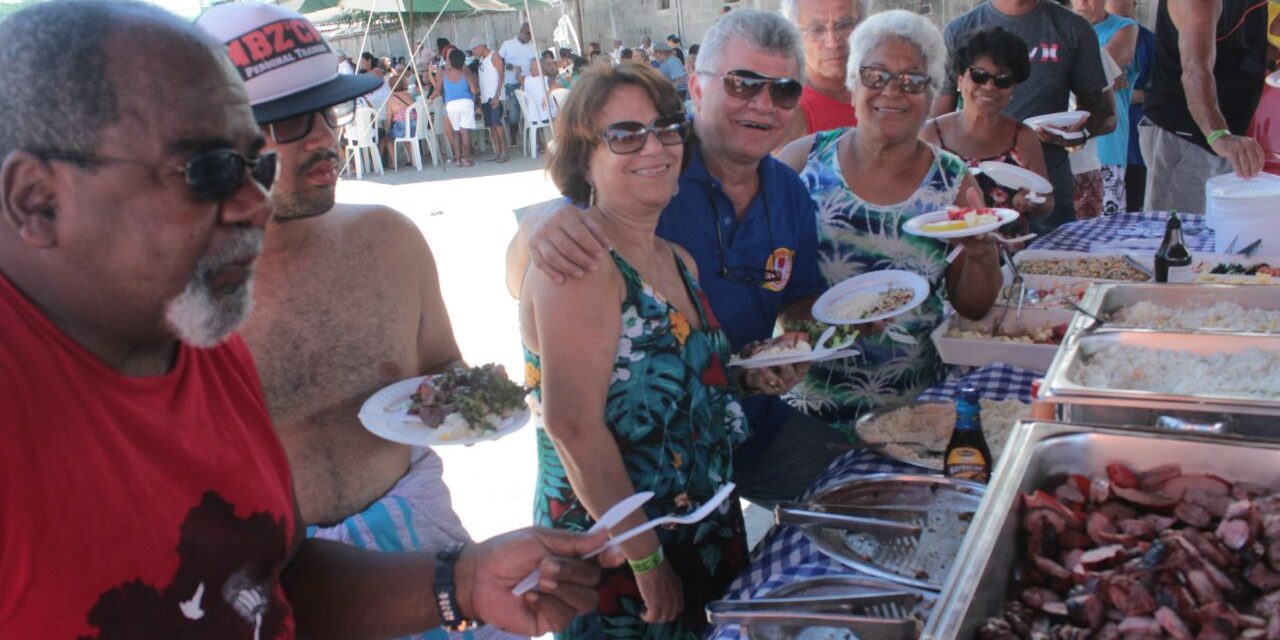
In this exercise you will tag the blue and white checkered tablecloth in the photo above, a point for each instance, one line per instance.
(1080, 235)
(785, 555)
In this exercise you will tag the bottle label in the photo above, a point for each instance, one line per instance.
(1180, 274)
(967, 463)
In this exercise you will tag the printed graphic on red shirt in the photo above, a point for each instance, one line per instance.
(225, 585)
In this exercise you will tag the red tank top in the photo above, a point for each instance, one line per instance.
(823, 113)
(136, 507)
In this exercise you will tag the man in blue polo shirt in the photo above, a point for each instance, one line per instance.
(749, 224)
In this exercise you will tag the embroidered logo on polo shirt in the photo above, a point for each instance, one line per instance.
(779, 262)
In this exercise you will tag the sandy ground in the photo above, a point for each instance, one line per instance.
(466, 216)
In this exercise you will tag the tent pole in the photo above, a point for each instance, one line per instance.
(412, 39)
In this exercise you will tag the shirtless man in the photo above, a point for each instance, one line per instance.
(347, 301)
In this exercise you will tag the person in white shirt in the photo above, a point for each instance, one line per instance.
(517, 51)
(536, 95)
(490, 78)
(345, 68)
(617, 51)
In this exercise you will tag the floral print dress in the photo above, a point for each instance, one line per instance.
(856, 237)
(675, 422)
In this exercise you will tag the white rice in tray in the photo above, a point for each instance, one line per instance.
(1253, 373)
(1224, 316)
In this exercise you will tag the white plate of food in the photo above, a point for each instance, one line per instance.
(468, 405)
(796, 347)
(959, 222)
(1015, 177)
(1053, 123)
(871, 297)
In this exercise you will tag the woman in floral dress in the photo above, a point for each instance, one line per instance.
(628, 364)
(867, 183)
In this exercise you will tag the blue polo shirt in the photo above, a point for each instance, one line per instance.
(778, 231)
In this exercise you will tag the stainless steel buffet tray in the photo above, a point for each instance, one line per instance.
(1042, 453)
(1245, 415)
(828, 586)
(921, 562)
(1103, 300)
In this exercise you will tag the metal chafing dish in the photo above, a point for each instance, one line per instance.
(1041, 454)
(1238, 414)
(1106, 299)
(920, 561)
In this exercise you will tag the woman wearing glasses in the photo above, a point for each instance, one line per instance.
(987, 65)
(628, 363)
(867, 182)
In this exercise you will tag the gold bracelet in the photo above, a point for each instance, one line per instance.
(647, 563)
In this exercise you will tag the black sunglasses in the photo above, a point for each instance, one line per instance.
(212, 176)
(630, 137)
(299, 126)
(876, 78)
(743, 274)
(980, 77)
(745, 85)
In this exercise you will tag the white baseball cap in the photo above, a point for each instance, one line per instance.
(287, 66)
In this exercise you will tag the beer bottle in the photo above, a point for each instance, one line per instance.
(1173, 255)
(968, 457)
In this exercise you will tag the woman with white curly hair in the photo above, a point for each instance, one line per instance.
(867, 183)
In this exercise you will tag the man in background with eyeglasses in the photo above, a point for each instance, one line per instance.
(825, 25)
(749, 224)
(143, 491)
(1065, 59)
(320, 351)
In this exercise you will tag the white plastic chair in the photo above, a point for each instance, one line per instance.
(558, 96)
(436, 109)
(362, 136)
(529, 127)
(416, 113)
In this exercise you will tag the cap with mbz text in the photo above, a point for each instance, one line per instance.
(287, 67)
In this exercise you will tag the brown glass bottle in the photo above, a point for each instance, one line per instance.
(1173, 253)
(968, 457)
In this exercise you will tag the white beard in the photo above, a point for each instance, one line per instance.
(202, 317)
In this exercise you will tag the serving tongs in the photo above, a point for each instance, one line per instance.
(889, 521)
(1017, 289)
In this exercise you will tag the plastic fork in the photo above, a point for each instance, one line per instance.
(689, 518)
(612, 517)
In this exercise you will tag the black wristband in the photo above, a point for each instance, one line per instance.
(451, 616)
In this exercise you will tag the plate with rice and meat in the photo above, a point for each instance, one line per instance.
(871, 297)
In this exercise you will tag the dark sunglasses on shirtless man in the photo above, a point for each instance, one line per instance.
(298, 127)
(745, 85)
(211, 176)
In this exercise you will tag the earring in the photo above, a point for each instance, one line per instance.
(591, 196)
(676, 191)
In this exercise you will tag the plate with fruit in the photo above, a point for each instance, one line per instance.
(959, 222)
(464, 405)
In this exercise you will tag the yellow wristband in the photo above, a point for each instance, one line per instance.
(647, 563)
(1216, 134)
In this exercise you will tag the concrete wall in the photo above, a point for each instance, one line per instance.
(602, 20)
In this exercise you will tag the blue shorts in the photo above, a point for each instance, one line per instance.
(492, 114)
(397, 129)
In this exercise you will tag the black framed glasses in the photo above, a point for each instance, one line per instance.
(298, 127)
(743, 274)
(877, 78)
(630, 137)
(840, 29)
(212, 176)
(982, 76)
(745, 85)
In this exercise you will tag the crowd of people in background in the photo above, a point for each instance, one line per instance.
(709, 195)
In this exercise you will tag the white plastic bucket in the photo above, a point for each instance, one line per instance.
(1243, 210)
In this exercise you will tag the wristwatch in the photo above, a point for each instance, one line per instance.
(451, 616)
